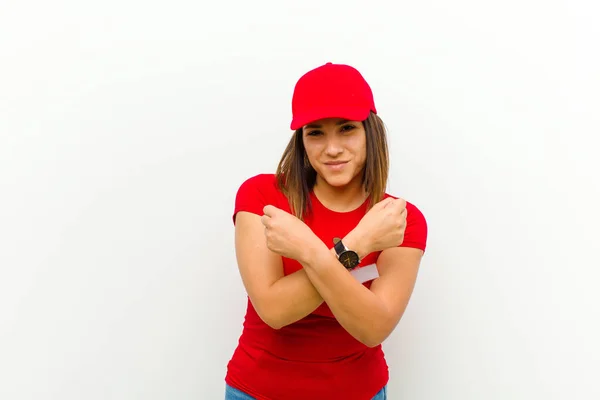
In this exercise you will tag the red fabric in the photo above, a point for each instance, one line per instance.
(331, 90)
(314, 358)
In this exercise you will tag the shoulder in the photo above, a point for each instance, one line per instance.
(416, 226)
(262, 182)
(255, 193)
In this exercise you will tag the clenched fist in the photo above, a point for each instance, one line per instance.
(383, 225)
(287, 235)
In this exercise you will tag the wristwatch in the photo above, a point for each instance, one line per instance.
(347, 257)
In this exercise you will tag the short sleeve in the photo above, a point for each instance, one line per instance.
(251, 196)
(415, 234)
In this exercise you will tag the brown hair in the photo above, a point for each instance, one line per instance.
(296, 177)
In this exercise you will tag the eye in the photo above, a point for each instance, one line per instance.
(314, 133)
(347, 128)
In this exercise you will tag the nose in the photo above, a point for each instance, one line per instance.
(334, 146)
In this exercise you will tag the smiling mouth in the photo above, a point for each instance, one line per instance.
(334, 163)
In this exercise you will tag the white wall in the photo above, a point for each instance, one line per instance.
(127, 126)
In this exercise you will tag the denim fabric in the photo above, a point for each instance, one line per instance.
(234, 394)
(381, 395)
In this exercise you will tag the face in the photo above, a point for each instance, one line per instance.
(336, 149)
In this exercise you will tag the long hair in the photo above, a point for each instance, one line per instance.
(296, 177)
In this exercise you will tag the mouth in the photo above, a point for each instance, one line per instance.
(335, 162)
(336, 165)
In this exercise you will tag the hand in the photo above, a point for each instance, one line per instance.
(383, 225)
(287, 235)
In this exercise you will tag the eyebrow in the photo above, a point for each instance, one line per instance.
(316, 126)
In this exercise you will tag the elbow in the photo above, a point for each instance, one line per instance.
(269, 311)
(379, 331)
(270, 317)
(374, 337)
(273, 323)
(372, 342)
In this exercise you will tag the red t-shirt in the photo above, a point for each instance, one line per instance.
(314, 358)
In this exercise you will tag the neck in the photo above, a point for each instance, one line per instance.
(340, 199)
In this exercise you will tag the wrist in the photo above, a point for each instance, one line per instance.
(313, 252)
(358, 242)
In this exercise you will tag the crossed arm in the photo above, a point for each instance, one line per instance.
(369, 315)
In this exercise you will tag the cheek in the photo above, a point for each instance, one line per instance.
(311, 154)
(362, 159)
(359, 147)
(310, 151)
(313, 148)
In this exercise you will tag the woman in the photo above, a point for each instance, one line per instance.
(307, 239)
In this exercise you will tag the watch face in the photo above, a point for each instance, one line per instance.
(349, 259)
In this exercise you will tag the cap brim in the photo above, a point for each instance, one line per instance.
(349, 113)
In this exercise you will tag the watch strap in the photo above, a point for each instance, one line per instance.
(338, 246)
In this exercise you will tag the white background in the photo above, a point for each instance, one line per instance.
(126, 128)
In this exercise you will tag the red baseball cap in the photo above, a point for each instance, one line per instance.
(331, 91)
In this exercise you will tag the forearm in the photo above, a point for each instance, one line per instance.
(361, 312)
(291, 298)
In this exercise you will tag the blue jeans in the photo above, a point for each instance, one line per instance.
(234, 394)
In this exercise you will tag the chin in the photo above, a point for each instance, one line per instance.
(337, 180)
